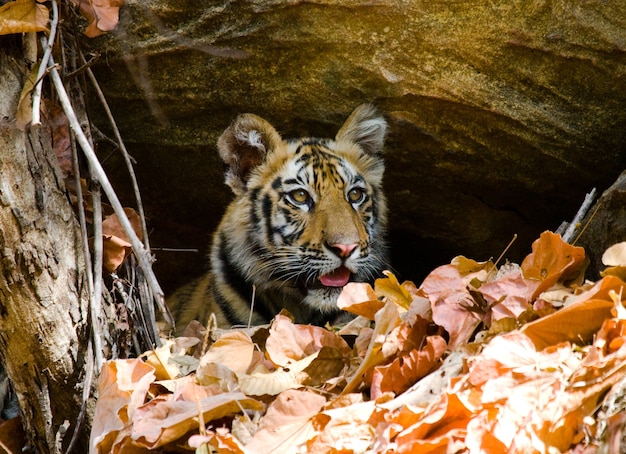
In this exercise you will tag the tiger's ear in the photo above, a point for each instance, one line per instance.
(366, 127)
(243, 146)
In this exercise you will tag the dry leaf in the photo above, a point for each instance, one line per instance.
(23, 16)
(114, 252)
(553, 260)
(24, 114)
(451, 301)
(59, 127)
(391, 289)
(615, 255)
(234, 349)
(580, 319)
(122, 388)
(343, 429)
(288, 342)
(360, 299)
(159, 358)
(117, 246)
(387, 319)
(103, 15)
(287, 423)
(408, 368)
(275, 382)
(509, 296)
(160, 422)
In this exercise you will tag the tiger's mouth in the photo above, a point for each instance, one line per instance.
(336, 278)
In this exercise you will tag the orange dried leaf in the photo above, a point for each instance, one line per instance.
(112, 225)
(288, 342)
(160, 422)
(407, 368)
(287, 423)
(103, 15)
(576, 323)
(117, 244)
(122, 388)
(387, 319)
(439, 426)
(553, 260)
(391, 289)
(451, 302)
(360, 299)
(114, 252)
(509, 296)
(23, 16)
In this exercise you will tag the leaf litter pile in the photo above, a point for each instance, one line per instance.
(479, 359)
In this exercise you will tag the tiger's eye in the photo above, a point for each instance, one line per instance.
(355, 195)
(299, 196)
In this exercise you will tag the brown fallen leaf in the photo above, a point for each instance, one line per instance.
(288, 423)
(163, 421)
(23, 16)
(579, 320)
(122, 388)
(117, 246)
(103, 15)
(453, 306)
(360, 299)
(288, 342)
(508, 296)
(553, 260)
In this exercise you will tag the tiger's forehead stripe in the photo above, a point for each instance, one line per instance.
(320, 165)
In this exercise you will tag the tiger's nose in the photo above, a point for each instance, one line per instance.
(342, 250)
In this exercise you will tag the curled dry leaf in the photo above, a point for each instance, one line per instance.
(24, 114)
(386, 320)
(123, 385)
(117, 244)
(615, 258)
(453, 306)
(103, 15)
(288, 343)
(553, 260)
(162, 421)
(579, 320)
(509, 296)
(288, 424)
(23, 16)
(615, 255)
(360, 299)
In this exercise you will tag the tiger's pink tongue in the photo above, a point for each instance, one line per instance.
(337, 278)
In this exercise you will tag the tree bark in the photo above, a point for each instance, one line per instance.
(43, 290)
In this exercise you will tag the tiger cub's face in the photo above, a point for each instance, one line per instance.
(310, 214)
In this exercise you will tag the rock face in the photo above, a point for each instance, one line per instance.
(503, 114)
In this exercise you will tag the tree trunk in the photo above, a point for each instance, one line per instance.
(43, 290)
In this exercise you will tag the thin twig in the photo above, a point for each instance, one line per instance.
(95, 321)
(86, 393)
(144, 257)
(43, 65)
(582, 211)
(85, 65)
(98, 248)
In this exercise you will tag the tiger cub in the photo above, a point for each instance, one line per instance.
(308, 217)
